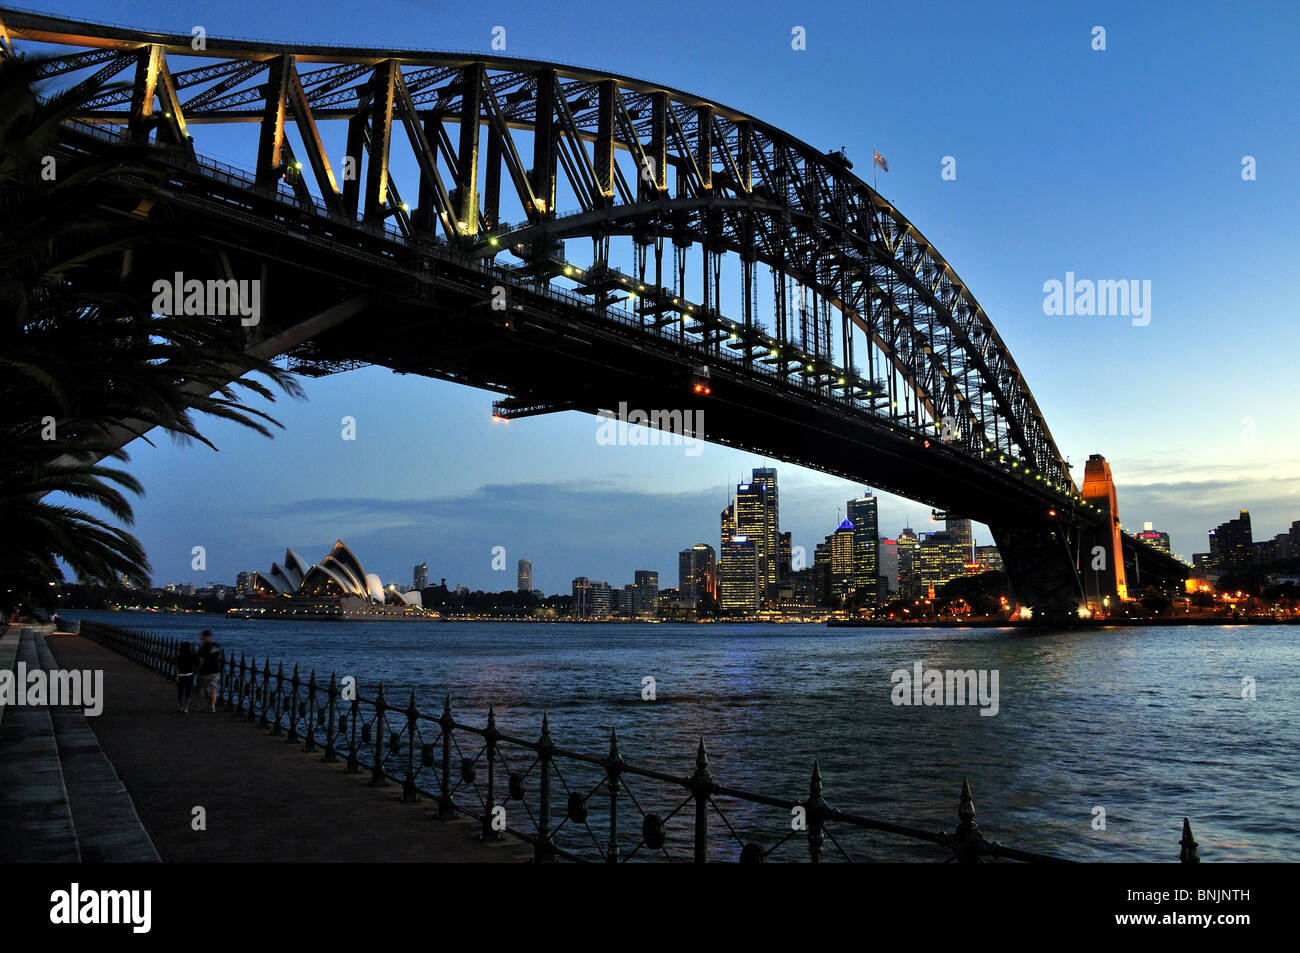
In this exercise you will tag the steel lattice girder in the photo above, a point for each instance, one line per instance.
(799, 211)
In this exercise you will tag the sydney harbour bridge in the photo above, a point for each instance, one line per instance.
(573, 239)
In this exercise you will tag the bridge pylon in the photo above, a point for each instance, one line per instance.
(1102, 555)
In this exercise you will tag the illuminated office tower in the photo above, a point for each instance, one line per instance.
(909, 575)
(524, 579)
(420, 578)
(770, 569)
(697, 574)
(754, 514)
(646, 592)
(739, 587)
(843, 549)
(862, 514)
(889, 566)
(1154, 538)
(728, 523)
(959, 529)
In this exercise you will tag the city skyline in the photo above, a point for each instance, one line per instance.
(1067, 203)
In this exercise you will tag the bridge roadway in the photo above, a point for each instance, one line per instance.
(266, 800)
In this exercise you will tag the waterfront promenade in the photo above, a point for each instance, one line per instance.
(265, 799)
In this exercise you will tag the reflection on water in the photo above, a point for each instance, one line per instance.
(1148, 723)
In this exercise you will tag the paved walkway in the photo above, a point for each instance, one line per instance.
(265, 800)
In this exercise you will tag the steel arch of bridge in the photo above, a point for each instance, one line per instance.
(702, 176)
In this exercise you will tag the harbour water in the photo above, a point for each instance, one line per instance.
(1149, 724)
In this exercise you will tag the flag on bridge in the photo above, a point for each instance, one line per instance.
(879, 160)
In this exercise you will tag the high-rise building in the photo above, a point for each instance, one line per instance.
(524, 582)
(755, 514)
(909, 564)
(697, 574)
(784, 569)
(989, 559)
(864, 520)
(420, 578)
(1154, 539)
(889, 566)
(844, 561)
(646, 592)
(942, 557)
(1231, 546)
(770, 570)
(959, 529)
(591, 597)
(739, 586)
(822, 574)
(728, 523)
(243, 583)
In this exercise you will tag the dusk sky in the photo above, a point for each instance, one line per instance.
(1117, 164)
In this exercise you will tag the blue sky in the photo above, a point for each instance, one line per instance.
(1122, 164)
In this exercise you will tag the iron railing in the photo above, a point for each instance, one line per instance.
(569, 805)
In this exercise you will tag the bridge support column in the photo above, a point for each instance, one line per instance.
(1041, 561)
(1102, 555)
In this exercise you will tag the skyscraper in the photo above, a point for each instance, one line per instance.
(770, 570)
(889, 565)
(645, 600)
(697, 574)
(1231, 545)
(755, 515)
(728, 523)
(959, 529)
(909, 576)
(420, 578)
(1153, 538)
(844, 561)
(784, 567)
(739, 587)
(862, 514)
(591, 597)
(524, 582)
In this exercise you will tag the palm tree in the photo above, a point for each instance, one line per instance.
(80, 357)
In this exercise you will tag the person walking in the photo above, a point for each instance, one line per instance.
(209, 656)
(187, 663)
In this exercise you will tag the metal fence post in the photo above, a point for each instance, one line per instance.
(353, 765)
(331, 755)
(240, 686)
(1189, 853)
(377, 750)
(409, 790)
(310, 744)
(293, 707)
(968, 838)
(266, 692)
(701, 785)
(490, 749)
(446, 807)
(276, 728)
(544, 850)
(813, 807)
(613, 770)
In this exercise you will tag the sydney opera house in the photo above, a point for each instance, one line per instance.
(335, 589)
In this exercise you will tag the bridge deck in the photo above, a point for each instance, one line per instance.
(265, 800)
